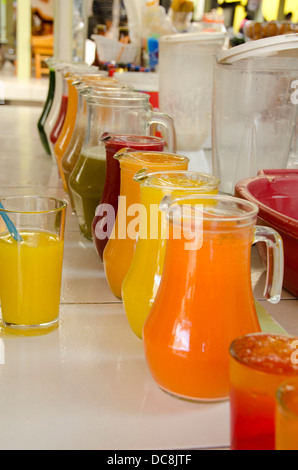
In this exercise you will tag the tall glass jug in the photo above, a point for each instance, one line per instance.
(59, 68)
(47, 106)
(58, 110)
(114, 112)
(72, 153)
(54, 111)
(141, 284)
(254, 122)
(114, 143)
(119, 250)
(70, 119)
(61, 117)
(205, 298)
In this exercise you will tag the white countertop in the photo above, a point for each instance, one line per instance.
(87, 385)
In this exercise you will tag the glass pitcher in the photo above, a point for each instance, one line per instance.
(57, 128)
(72, 153)
(50, 121)
(253, 123)
(205, 299)
(141, 284)
(55, 108)
(71, 114)
(111, 192)
(47, 106)
(119, 250)
(185, 88)
(120, 112)
(56, 118)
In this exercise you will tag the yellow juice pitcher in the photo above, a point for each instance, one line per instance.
(141, 284)
(119, 250)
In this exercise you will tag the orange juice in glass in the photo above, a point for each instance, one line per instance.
(141, 284)
(205, 297)
(259, 364)
(31, 266)
(119, 250)
(286, 415)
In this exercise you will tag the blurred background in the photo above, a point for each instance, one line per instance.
(65, 28)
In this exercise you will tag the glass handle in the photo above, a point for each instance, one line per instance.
(275, 262)
(168, 123)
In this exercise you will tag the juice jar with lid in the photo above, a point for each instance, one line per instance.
(122, 112)
(259, 364)
(141, 284)
(118, 253)
(111, 192)
(286, 412)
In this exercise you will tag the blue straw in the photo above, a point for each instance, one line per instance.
(13, 231)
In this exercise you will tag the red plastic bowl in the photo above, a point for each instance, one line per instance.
(275, 192)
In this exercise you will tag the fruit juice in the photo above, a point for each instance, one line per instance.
(204, 301)
(118, 253)
(73, 150)
(66, 133)
(86, 185)
(141, 284)
(30, 279)
(286, 417)
(259, 364)
(68, 127)
(60, 120)
(70, 158)
(111, 190)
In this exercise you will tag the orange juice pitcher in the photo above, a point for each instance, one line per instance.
(142, 281)
(205, 299)
(67, 129)
(119, 250)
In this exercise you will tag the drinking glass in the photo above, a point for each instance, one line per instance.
(286, 415)
(258, 365)
(31, 258)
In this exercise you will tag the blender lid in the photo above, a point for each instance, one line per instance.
(277, 46)
(194, 37)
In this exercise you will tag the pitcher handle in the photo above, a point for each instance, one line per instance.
(275, 262)
(167, 122)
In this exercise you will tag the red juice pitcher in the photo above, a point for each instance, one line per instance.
(61, 117)
(111, 192)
